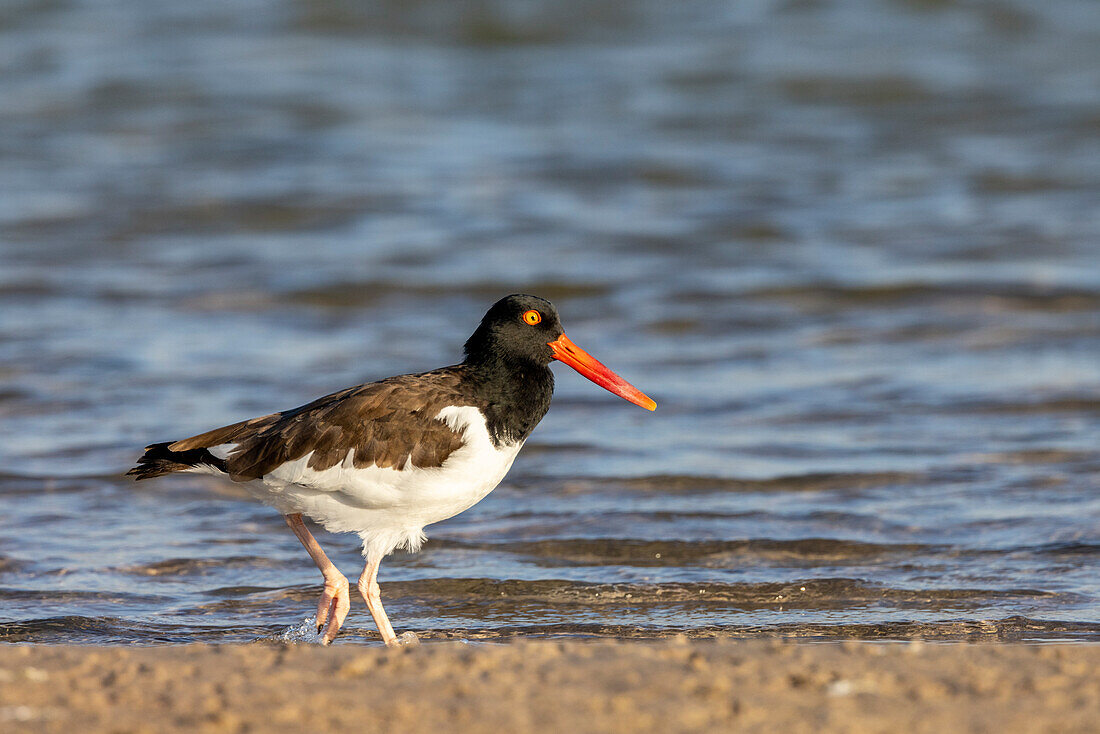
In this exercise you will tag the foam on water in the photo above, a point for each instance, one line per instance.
(304, 632)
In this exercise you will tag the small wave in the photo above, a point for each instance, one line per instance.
(689, 483)
(808, 593)
(1072, 549)
(11, 565)
(636, 552)
(359, 294)
(1068, 404)
(64, 596)
(197, 566)
(104, 630)
(1015, 296)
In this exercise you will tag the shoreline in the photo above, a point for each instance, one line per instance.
(555, 685)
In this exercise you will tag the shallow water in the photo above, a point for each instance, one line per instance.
(849, 247)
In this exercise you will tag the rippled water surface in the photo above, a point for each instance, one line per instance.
(851, 248)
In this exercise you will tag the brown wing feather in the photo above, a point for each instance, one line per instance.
(225, 434)
(390, 423)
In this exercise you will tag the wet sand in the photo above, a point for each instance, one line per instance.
(554, 686)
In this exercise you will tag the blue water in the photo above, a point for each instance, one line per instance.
(851, 248)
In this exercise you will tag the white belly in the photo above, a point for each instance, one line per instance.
(389, 508)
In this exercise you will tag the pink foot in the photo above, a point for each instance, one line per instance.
(333, 608)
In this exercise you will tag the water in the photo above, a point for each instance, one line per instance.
(849, 247)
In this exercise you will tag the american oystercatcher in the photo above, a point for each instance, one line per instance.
(388, 458)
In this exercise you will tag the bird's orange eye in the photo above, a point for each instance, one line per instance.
(532, 317)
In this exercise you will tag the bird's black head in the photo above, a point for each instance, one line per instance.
(521, 335)
(518, 330)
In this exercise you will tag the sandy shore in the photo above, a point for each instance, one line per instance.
(576, 686)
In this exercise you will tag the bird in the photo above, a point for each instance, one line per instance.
(386, 459)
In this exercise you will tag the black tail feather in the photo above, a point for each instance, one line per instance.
(160, 460)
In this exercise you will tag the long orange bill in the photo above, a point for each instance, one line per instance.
(583, 362)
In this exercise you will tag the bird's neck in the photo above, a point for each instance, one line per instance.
(513, 395)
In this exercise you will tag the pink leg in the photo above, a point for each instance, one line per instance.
(335, 601)
(372, 595)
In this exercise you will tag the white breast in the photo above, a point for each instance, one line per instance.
(389, 508)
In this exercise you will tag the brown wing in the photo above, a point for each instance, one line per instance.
(389, 424)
